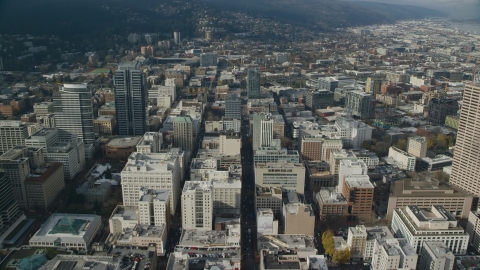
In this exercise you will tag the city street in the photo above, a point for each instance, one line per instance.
(248, 207)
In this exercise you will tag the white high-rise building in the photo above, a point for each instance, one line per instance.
(352, 132)
(197, 205)
(466, 164)
(473, 229)
(350, 167)
(262, 130)
(437, 224)
(74, 115)
(154, 207)
(227, 191)
(153, 171)
(435, 255)
(183, 132)
(151, 142)
(394, 254)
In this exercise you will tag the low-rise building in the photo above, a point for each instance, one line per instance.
(435, 164)
(105, 125)
(120, 147)
(330, 203)
(266, 222)
(418, 225)
(425, 193)
(402, 159)
(73, 231)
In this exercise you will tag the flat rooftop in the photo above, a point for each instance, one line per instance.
(125, 212)
(358, 181)
(202, 238)
(424, 188)
(329, 195)
(124, 141)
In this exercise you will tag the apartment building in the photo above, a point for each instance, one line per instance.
(394, 254)
(417, 146)
(154, 207)
(402, 159)
(197, 205)
(436, 255)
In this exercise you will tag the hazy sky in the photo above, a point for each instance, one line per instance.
(457, 8)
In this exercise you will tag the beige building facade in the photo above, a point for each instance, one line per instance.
(42, 189)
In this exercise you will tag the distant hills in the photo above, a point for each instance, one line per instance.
(96, 19)
(328, 14)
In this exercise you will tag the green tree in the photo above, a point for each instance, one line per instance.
(108, 174)
(367, 145)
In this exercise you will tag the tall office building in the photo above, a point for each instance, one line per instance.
(183, 132)
(176, 37)
(233, 107)
(253, 82)
(12, 133)
(359, 103)
(373, 86)
(262, 131)
(208, 59)
(319, 99)
(14, 163)
(130, 99)
(74, 114)
(157, 171)
(466, 165)
(9, 212)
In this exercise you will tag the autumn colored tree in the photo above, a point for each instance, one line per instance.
(341, 256)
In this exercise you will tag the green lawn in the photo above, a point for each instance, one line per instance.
(16, 230)
(23, 253)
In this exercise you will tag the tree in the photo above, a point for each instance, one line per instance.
(366, 145)
(108, 174)
(431, 141)
(441, 176)
(441, 141)
(328, 243)
(341, 256)
(402, 144)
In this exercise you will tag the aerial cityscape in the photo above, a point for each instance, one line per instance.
(251, 135)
